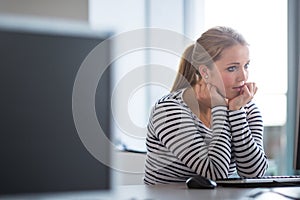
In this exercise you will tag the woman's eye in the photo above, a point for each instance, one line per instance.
(232, 68)
(247, 66)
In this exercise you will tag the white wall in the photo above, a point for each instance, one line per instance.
(128, 168)
(60, 9)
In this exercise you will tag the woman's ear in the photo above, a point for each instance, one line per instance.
(203, 70)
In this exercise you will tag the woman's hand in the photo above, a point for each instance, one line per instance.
(246, 94)
(208, 94)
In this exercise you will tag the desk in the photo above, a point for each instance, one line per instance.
(181, 192)
(165, 192)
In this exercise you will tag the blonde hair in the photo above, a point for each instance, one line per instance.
(207, 50)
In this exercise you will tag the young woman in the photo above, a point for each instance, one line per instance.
(208, 125)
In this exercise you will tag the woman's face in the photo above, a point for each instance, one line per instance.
(230, 72)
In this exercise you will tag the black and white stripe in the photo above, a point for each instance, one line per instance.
(180, 146)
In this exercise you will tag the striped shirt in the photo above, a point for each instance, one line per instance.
(179, 145)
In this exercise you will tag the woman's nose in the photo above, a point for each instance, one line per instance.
(243, 75)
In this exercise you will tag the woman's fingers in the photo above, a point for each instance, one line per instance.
(252, 89)
(216, 97)
(246, 95)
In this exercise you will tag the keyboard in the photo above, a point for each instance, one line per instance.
(265, 181)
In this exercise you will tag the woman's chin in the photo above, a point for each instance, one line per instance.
(232, 96)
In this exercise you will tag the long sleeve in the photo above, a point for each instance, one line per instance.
(247, 141)
(179, 145)
(174, 126)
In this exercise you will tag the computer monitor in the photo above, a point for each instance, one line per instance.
(297, 129)
(40, 148)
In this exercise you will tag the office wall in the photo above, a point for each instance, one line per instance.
(61, 9)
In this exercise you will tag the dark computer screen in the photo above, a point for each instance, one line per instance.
(293, 93)
(40, 150)
(297, 129)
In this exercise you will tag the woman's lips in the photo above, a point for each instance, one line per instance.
(238, 88)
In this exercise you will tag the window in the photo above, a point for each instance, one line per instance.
(264, 26)
(263, 23)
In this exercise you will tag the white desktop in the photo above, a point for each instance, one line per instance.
(175, 192)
